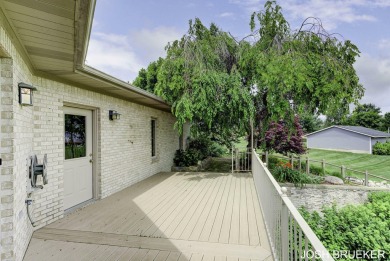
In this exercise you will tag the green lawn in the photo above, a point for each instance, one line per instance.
(374, 164)
(242, 144)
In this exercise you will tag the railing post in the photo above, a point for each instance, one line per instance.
(366, 178)
(237, 158)
(292, 161)
(307, 166)
(266, 159)
(232, 159)
(343, 171)
(323, 166)
(284, 233)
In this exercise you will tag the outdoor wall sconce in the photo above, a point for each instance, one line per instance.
(26, 93)
(114, 115)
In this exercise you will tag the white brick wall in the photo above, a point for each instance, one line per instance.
(124, 146)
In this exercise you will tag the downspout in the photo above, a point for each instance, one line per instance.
(370, 144)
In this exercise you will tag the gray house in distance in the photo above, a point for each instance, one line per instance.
(346, 138)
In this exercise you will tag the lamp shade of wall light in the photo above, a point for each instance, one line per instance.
(26, 93)
(114, 115)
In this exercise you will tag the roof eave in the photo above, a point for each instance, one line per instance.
(339, 127)
(364, 134)
(83, 20)
(92, 72)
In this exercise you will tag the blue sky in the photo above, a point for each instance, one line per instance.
(128, 35)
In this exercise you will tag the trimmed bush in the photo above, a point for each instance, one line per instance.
(363, 227)
(381, 148)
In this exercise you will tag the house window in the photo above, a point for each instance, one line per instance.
(153, 137)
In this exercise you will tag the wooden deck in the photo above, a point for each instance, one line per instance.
(170, 216)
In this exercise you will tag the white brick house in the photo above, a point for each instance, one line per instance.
(44, 44)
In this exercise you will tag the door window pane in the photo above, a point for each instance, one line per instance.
(75, 140)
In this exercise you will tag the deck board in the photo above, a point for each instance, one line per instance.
(244, 224)
(205, 211)
(210, 220)
(225, 229)
(216, 229)
(167, 217)
(235, 222)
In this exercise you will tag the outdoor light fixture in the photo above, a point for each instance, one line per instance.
(26, 93)
(114, 115)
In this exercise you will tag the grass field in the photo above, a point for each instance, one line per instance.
(375, 164)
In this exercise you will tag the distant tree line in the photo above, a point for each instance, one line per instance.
(369, 116)
(365, 115)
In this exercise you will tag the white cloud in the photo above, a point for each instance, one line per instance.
(331, 12)
(151, 42)
(384, 45)
(226, 14)
(249, 5)
(113, 54)
(122, 56)
(374, 74)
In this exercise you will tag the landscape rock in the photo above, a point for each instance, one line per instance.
(334, 180)
(378, 184)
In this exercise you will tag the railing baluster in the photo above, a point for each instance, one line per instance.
(306, 249)
(280, 216)
(295, 242)
(300, 244)
(284, 232)
(290, 248)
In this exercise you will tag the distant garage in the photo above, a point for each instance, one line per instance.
(346, 138)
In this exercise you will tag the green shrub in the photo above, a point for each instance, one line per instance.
(179, 159)
(362, 227)
(186, 158)
(303, 166)
(315, 170)
(198, 149)
(381, 148)
(217, 150)
(274, 161)
(192, 156)
(283, 173)
(202, 145)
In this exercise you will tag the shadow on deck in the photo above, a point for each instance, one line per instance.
(169, 216)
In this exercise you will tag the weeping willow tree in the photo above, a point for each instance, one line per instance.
(201, 79)
(293, 72)
(220, 84)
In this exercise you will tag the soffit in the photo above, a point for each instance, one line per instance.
(54, 35)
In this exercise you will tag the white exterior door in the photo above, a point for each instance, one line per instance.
(78, 156)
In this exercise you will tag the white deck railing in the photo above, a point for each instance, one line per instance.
(290, 236)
